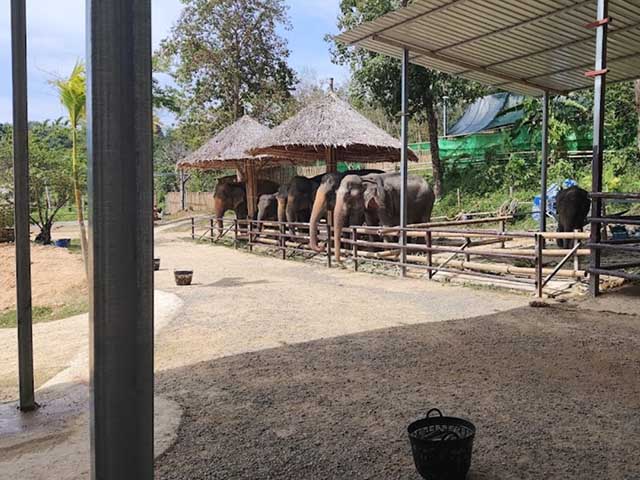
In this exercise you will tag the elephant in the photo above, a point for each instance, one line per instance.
(325, 200)
(233, 196)
(573, 206)
(272, 206)
(377, 199)
(299, 200)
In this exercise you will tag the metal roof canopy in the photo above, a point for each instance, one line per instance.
(522, 46)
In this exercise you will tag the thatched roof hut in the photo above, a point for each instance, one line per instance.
(330, 130)
(228, 149)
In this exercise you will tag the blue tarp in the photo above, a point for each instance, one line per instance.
(489, 113)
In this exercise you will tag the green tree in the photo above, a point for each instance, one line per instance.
(376, 79)
(227, 58)
(50, 185)
(73, 96)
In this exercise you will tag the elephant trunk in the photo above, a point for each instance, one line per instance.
(319, 207)
(339, 215)
(282, 210)
(290, 213)
(218, 211)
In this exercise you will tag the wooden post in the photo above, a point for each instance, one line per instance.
(354, 239)
(211, 229)
(429, 242)
(249, 233)
(539, 264)
(193, 228)
(332, 160)
(283, 241)
(329, 252)
(252, 189)
(235, 233)
(503, 229)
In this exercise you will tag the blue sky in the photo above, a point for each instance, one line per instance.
(56, 40)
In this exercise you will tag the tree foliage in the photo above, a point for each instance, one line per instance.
(228, 59)
(73, 96)
(50, 185)
(376, 79)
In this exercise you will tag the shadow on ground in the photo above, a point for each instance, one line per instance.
(554, 393)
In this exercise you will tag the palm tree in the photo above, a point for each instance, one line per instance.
(73, 96)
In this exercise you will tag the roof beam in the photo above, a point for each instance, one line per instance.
(573, 43)
(461, 63)
(441, 8)
(515, 25)
(584, 66)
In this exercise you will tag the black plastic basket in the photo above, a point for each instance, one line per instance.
(442, 446)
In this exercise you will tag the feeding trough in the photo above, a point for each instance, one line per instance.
(156, 264)
(442, 446)
(183, 277)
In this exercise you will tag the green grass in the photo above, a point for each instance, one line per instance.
(44, 314)
(74, 246)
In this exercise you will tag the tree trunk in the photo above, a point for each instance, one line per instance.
(438, 172)
(84, 247)
(44, 236)
(638, 109)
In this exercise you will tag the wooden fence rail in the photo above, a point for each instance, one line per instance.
(371, 244)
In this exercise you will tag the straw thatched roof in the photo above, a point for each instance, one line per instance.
(330, 123)
(228, 149)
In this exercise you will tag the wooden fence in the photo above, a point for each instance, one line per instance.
(195, 202)
(437, 248)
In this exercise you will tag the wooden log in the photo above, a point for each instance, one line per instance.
(500, 268)
(523, 251)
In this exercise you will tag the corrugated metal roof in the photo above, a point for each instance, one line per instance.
(522, 46)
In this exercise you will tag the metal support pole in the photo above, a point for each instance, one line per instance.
(211, 234)
(404, 161)
(193, 228)
(545, 161)
(598, 143)
(21, 202)
(120, 180)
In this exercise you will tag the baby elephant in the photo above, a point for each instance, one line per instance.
(573, 206)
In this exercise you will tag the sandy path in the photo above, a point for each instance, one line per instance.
(242, 302)
(553, 392)
(55, 345)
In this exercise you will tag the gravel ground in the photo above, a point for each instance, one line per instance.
(553, 392)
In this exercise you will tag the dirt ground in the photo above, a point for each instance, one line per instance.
(56, 276)
(554, 394)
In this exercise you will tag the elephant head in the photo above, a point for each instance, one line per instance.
(267, 207)
(356, 196)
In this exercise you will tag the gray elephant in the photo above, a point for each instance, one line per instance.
(325, 200)
(376, 198)
(233, 196)
(272, 206)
